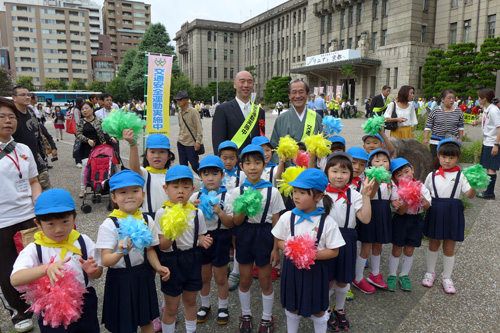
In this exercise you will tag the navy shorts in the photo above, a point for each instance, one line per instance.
(185, 271)
(254, 243)
(218, 253)
(407, 230)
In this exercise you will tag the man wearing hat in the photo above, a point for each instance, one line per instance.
(190, 132)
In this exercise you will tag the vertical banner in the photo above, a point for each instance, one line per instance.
(159, 75)
(338, 94)
(330, 93)
(316, 91)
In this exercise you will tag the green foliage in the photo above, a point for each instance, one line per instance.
(156, 40)
(348, 71)
(431, 71)
(135, 78)
(6, 82)
(421, 122)
(51, 84)
(26, 81)
(127, 63)
(457, 68)
(178, 83)
(467, 155)
(77, 84)
(277, 89)
(226, 90)
(118, 89)
(63, 85)
(201, 93)
(251, 70)
(97, 86)
(486, 64)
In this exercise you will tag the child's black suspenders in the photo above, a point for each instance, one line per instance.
(266, 207)
(320, 228)
(222, 198)
(457, 180)
(128, 263)
(195, 236)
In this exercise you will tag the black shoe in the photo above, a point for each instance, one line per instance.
(50, 166)
(332, 325)
(222, 320)
(245, 324)
(203, 318)
(485, 196)
(342, 320)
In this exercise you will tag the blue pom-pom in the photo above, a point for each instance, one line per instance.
(137, 231)
(207, 203)
(332, 125)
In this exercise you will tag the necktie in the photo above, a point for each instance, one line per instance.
(246, 110)
(307, 216)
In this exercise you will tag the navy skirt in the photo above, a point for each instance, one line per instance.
(185, 271)
(407, 230)
(305, 290)
(130, 298)
(445, 220)
(379, 230)
(254, 243)
(488, 161)
(218, 253)
(342, 267)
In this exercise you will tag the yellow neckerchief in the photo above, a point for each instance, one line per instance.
(187, 207)
(154, 170)
(121, 215)
(64, 245)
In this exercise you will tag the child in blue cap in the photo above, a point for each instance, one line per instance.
(304, 293)
(157, 160)
(130, 298)
(379, 141)
(254, 240)
(228, 152)
(218, 225)
(269, 173)
(52, 252)
(181, 255)
(359, 161)
(406, 226)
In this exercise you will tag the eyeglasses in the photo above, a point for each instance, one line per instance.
(11, 118)
(23, 94)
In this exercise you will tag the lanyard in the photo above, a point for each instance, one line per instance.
(16, 164)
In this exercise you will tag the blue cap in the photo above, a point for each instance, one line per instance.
(358, 152)
(159, 141)
(55, 200)
(178, 172)
(373, 136)
(336, 138)
(398, 163)
(125, 178)
(339, 154)
(251, 148)
(311, 178)
(227, 144)
(260, 140)
(379, 150)
(445, 141)
(211, 161)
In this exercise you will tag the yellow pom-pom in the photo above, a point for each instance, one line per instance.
(174, 221)
(287, 177)
(318, 145)
(287, 148)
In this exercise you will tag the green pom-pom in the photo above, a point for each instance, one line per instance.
(117, 121)
(374, 125)
(380, 174)
(249, 203)
(477, 177)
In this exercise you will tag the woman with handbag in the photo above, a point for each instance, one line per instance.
(400, 116)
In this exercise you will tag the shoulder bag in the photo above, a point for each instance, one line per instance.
(392, 126)
(200, 151)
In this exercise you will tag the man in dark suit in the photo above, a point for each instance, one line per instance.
(229, 116)
(380, 102)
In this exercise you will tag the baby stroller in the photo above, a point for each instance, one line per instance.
(102, 164)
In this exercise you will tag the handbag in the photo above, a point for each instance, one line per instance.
(446, 134)
(393, 125)
(70, 126)
(24, 237)
(200, 151)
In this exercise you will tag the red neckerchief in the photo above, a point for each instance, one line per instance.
(442, 171)
(356, 181)
(341, 192)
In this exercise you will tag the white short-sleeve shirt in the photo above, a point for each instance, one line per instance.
(275, 206)
(212, 224)
(331, 237)
(266, 174)
(444, 185)
(158, 195)
(385, 191)
(107, 238)
(339, 208)
(408, 113)
(490, 123)
(423, 191)
(230, 181)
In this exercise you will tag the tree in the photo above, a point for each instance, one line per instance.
(51, 84)
(63, 85)
(97, 86)
(180, 82)
(430, 73)
(457, 68)
(251, 70)
(226, 90)
(156, 40)
(6, 82)
(349, 72)
(487, 63)
(201, 93)
(127, 63)
(135, 78)
(118, 89)
(277, 89)
(26, 81)
(77, 84)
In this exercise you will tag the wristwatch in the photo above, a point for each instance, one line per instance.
(497, 144)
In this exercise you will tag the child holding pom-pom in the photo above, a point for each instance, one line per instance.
(183, 230)
(445, 218)
(228, 153)
(407, 223)
(359, 161)
(378, 141)
(130, 298)
(314, 222)
(58, 248)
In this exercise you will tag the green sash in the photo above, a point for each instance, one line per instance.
(309, 125)
(247, 126)
(387, 100)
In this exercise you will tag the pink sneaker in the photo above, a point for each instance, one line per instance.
(364, 286)
(448, 285)
(377, 281)
(157, 325)
(428, 280)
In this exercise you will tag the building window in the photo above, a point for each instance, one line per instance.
(419, 86)
(209, 53)
(282, 45)
(287, 19)
(360, 12)
(349, 43)
(279, 24)
(383, 42)
(492, 19)
(231, 73)
(388, 80)
(330, 22)
(385, 8)
(215, 72)
(467, 29)
(278, 48)
(225, 54)
(298, 39)
(351, 16)
(294, 40)
(454, 3)
(395, 78)
(225, 37)
(215, 54)
(323, 24)
(298, 17)
(231, 54)
(422, 35)
(294, 17)
(304, 38)
(342, 19)
(304, 15)
(322, 48)
(426, 6)
(225, 72)
(342, 44)
(468, 2)
(375, 9)
(215, 36)
(272, 47)
(453, 33)
(231, 37)
(374, 39)
(209, 72)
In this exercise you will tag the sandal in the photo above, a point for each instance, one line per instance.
(202, 314)
(223, 320)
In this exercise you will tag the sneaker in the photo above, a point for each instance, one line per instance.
(350, 295)
(275, 273)
(405, 283)
(202, 314)
(342, 320)
(448, 285)
(234, 281)
(332, 324)
(267, 326)
(25, 325)
(391, 282)
(364, 286)
(245, 324)
(428, 280)
(255, 272)
(377, 281)
(157, 325)
(79, 165)
(223, 320)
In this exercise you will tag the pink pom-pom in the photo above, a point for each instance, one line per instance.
(410, 192)
(302, 159)
(301, 250)
(59, 305)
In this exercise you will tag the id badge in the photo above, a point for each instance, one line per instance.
(22, 185)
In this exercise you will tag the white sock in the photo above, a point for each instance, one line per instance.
(431, 261)
(222, 305)
(448, 263)
(267, 306)
(205, 300)
(360, 267)
(375, 262)
(245, 303)
(236, 264)
(292, 322)
(168, 328)
(406, 265)
(320, 322)
(393, 264)
(190, 326)
(340, 296)
(330, 292)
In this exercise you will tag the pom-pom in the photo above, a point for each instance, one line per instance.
(59, 305)
(477, 177)
(174, 221)
(374, 125)
(302, 159)
(318, 145)
(287, 148)
(249, 203)
(380, 174)
(331, 125)
(117, 121)
(301, 250)
(137, 231)
(410, 192)
(287, 177)
(207, 203)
